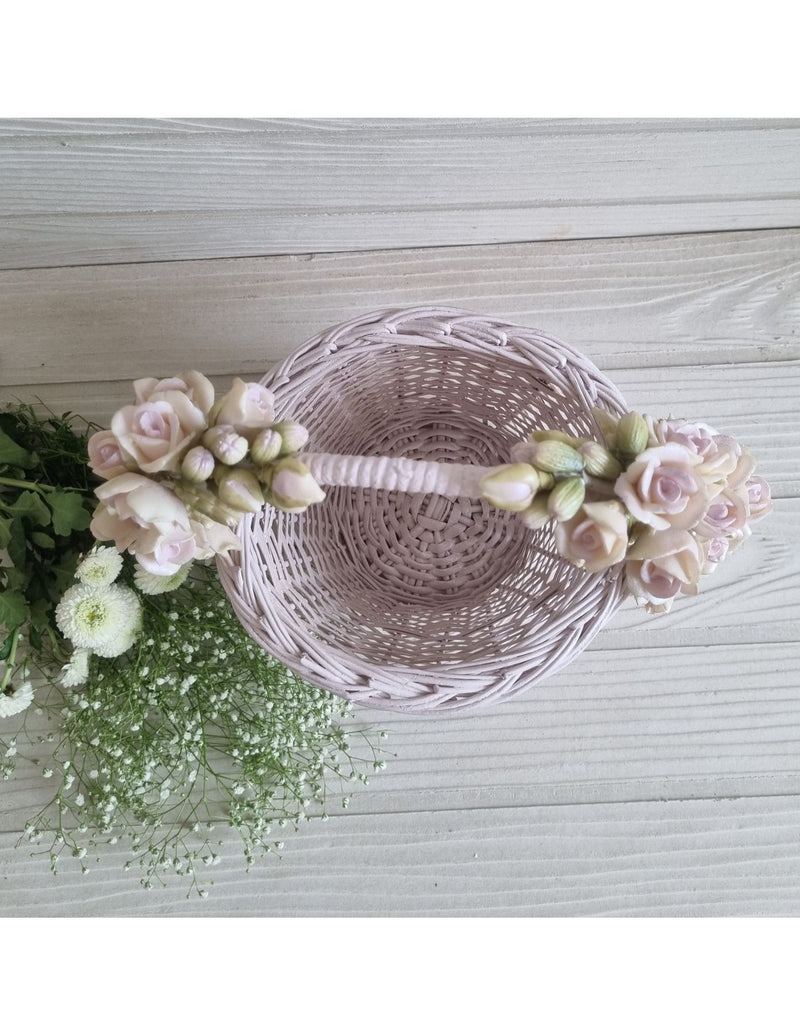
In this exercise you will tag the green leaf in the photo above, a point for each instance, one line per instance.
(69, 512)
(40, 613)
(62, 572)
(15, 578)
(13, 609)
(31, 505)
(5, 532)
(17, 545)
(11, 453)
(5, 646)
(43, 539)
(35, 638)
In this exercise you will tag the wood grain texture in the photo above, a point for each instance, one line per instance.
(631, 303)
(679, 858)
(657, 774)
(637, 724)
(106, 191)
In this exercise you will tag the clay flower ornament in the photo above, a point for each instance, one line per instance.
(181, 470)
(670, 498)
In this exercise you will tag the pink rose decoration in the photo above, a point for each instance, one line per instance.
(724, 461)
(727, 513)
(165, 552)
(157, 434)
(247, 407)
(147, 520)
(105, 455)
(759, 498)
(716, 552)
(694, 436)
(596, 538)
(191, 383)
(661, 565)
(663, 487)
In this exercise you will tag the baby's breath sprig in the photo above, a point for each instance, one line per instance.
(195, 729)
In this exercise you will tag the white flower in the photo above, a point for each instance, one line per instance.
(152, 585)
(105, 619)
(100, 566)
(76, 671)
(16, 701)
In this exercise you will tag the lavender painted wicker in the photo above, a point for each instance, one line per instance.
(399, 597)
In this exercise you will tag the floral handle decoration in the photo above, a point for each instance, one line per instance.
(670, 498)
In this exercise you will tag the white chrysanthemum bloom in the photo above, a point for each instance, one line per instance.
(152, 585)
(100, 566)
(16, 701)
(105, 619)
(76, 671)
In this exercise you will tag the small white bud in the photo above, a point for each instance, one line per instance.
(197, 465)
(293, 436)
(266, 446)
(226, 443)
(510, 487)
(293, 486)
(240, 490)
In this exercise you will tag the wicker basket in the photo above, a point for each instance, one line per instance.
(413, 600)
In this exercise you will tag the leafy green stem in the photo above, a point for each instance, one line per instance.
(11, 659)
(19, 483)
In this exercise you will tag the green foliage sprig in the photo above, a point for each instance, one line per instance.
(193, 727)
(46, 504)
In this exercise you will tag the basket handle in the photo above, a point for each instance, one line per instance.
(400, 473)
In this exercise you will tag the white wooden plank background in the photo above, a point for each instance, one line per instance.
(121, 191)
(658, 774)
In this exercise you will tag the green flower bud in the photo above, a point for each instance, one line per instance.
(199, 501)
(566, 498)
(241, 490)
(607, 424)
(599, 462)
(536, 515)
(197, 465)
(293, 436)
(266, 446)
(632, 434)
(293, 486)
(557, 457)
(551, 435)
(510, 487)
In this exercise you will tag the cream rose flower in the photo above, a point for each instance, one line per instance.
(247, 407)
(696, 437)
(596, 538)
(145, 519)
(724, 462)
(727, 513)
(663, 488)
(661, 565)
(760, 498)
(106, 458)
(132, 496)
(158, 433)
(191, 383)
(164, 552)
(716, 552)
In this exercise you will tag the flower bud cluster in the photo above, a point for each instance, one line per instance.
(670, 497)
(181, 470)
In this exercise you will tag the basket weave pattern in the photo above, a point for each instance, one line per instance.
(411, 600)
